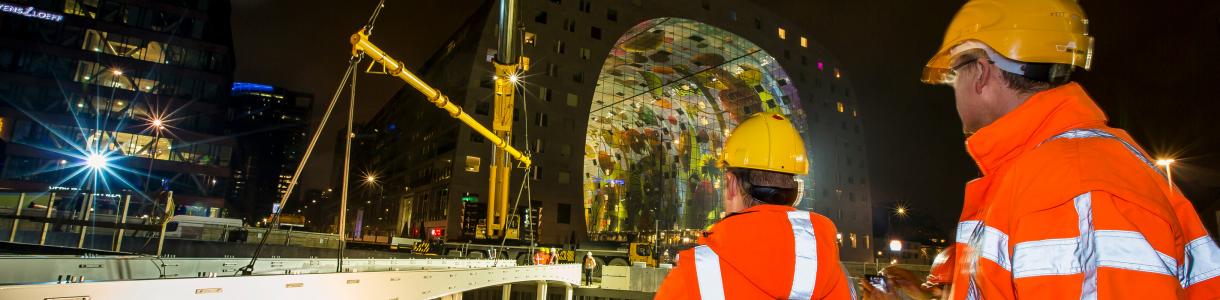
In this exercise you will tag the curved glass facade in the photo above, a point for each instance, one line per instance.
(668, 94)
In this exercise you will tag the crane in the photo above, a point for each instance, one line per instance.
(509, 65)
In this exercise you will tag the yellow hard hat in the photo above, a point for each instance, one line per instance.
(1025, 31)
(766, 141)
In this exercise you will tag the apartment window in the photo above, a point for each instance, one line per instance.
(540, 119)
(557, 1)
(853, 239)
(707, 5)
(482, 108)
(783, 35)
(584, 53)
(612, 15)
(578, 77)
(559, 47)
(473, 163)
(787, 54)
(530, 38)
(732, 15)
(595, 33)
(758, 23)
(552, 70)
(569, 25)
(804, 60)
(804, 42)
(538, 146)
(573, 100)
(564, 211)
(476, 137)
(540, 18)
(536, 174)
(566, 150)
(585, 6)
(544, 93)
(839, 105)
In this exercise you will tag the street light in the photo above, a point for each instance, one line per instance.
(370, 178)
(900, 211)
(1167, 163)
(895, 245)
(95, 161)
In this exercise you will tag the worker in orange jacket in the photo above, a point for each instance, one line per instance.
(1066, 207)
(763, 248)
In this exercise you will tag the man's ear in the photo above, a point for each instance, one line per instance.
(983, 76)
(730, 181)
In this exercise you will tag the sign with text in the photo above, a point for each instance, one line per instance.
(30, 12)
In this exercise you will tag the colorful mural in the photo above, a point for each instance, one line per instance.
(667, 96)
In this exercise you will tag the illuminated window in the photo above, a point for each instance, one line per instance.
(853, 240)
(559, 47)
(473, 163)
(783, 35)
(837, 74)
(85, 8)
(530, 38)
(573, 100)
(840, 106)
(804, 42)
(584, 53)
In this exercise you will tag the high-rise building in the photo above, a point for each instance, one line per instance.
(270, 126)
(132, 91)
(625, 109)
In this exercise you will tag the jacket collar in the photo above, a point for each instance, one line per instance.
(1042, 116)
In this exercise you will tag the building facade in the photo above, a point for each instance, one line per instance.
(269, 124)
(624, 109)
(134, 89)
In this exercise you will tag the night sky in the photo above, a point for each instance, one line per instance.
(1152, 74)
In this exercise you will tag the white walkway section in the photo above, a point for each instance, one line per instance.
(416, 284)
(47, 268)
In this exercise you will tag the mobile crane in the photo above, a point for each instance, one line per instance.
(509, 65)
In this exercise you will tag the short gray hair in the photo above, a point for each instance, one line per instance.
(1018, 82)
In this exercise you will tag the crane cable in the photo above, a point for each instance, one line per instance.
(352, 63)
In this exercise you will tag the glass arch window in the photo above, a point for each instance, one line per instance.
(667, 96)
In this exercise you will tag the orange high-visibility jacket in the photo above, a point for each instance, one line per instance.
(764, 252)
(1068, 208)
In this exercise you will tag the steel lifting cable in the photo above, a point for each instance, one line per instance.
(352, 63)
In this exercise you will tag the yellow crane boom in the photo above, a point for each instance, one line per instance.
(361, 43)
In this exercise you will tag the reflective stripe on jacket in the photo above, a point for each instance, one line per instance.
(1068, 208)
(766, 251)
